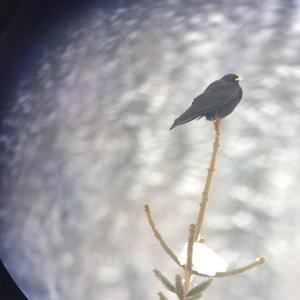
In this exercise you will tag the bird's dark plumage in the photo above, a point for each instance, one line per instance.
(217, 101)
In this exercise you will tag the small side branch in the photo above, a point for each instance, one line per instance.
(159, 237)
(211, 170)
(259, 261)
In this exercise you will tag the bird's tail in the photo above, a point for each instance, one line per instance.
(181, 121)
(173, 125)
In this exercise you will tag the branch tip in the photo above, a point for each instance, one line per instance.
(261, 260)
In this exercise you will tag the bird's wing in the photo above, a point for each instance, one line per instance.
(213, 99)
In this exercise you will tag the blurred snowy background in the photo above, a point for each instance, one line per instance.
(85, 142)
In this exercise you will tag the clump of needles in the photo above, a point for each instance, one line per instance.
(181, 285)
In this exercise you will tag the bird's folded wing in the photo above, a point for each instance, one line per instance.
(212, 100)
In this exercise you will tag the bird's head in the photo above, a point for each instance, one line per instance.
(232, 78)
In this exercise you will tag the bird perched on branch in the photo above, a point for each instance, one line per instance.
(218, 100)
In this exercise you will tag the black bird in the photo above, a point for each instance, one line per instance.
(218, 100)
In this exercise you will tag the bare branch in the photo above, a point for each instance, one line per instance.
(159, 237)
(259, 261)
(211, 170)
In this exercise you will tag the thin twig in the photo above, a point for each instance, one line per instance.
(259, 261)
(211, 169)
(189, 261)
(159, 237)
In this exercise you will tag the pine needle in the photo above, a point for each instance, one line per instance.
(165, 282)
(196, 297)
(179, 287)
(199, 288)
(162, 296)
